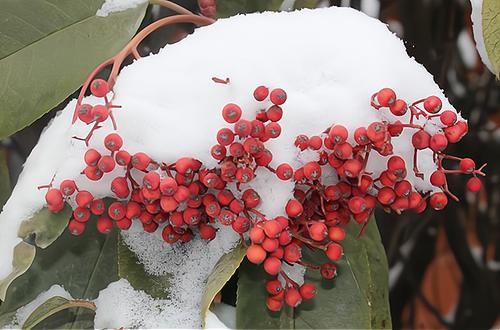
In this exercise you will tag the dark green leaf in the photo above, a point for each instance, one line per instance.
(53, 306)
(491, 32)
(24, 254)
(47, 49)
(222, 272)
(357, 298)
(130, 269)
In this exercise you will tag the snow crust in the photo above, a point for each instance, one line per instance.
(172, 108)
(113, 6)
(24, 312)
(477, 29)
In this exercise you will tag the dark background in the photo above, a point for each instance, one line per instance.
(445, 266)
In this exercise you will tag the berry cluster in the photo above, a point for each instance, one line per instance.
(185, 198)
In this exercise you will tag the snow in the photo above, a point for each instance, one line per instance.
(24, 312)
(477, 29)
(113, 6)
(172, 108)
(370, 7)
(467, 49)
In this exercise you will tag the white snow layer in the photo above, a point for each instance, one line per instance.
(477, 29)
(113, 6)
(172, 108)
(24, 312)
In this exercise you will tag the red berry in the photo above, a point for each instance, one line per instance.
(308, 291)
(99, 87)
(207, 232)
(274, 305)
(395, 128)
(438, 142)
(226, 217)
(438, 201)
(256, 254)
(438, 178)
(91, 157)
(272, 228)
(315, 142)
(117, 211)
(261, 93)
(292, 253)
(293, 297)
(432, 104)
(84, 198)
(342, 150)
(97, 207)
(54, 197)
(140, 161)
(170, 236)
(231, 113)
(257, 235)
(414, 200)
(386, 196)
(93, 173)
(361, 136)
(336, 234)
(334, 251)
(376, 132)
(421, 140)
(272, 265)
(328, 271)
(113, 142)
(312, 171)
(332, 193)
(273, 130)
(456, 132)
(251, 198)
(237, 206)
(225, 136)
(473, 184)
(403, 188)
(187, 165)
(263, 158)
(273, 287)
(318, 231)
(104, 225)
(100, 113)
(106, 164)
(67, 187)
(448, 117)
(119, 186)
(467, 165)
(245, 175)
(270, 244)
(338, 134)
(399, 108)
(243, 128)
(274, 113)
(151, 180)
(81, 214)
(75, 227)
(278, 96)
(294, 208)
(301, 142)
(241, 225)
(357, 204)
(386, 97)
(122, 158)
(236, 149)
(85, 113)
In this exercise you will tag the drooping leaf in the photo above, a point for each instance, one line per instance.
(83, 265)
(47, 49)
(222, 272)
(5, 188)
(356, 299)
(130, 269)
(24, 254)
(53, 306)
(491, 32)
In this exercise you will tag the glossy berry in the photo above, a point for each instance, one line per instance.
(207, 232)
(292, 253)
(117, 211)
(473, 184)
(99, 87)
(104, 225)
(274, 287)
(256, 254)
(386, 97)
(438, 178)
(260, 93)
(357, 204)
(100, 113)
(75, 227)
(284, 172)
(336, 234)
(308, 291)
(113, 142)
(334, 251)
(91, 157)
(432, 104)
(231, 113)
(140, 161)
(338, 134)
(318, 231)
(293, 297)
(312, 171)
(467, 165)
(278, 96)
(438, 142)
(151, 180)
(84, 198)
(257, 235)
(448, 117)
(274, 113)
(438, 201)
(274, 305)
(328, 271)
(294, 208)
(85, 113)
(421, 140)
(272, 265)
(106, 164)
(399, 108)
(122, 158)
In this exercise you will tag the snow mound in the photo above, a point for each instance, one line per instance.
(24, 312)
(113, 6)
(172, 108)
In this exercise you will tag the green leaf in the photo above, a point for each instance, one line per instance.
(356, 299)
(24, 254)
(53, 306)
(47, 49)
(41, 230)
(491, 32)
(222, 272)
(5, 188)
(130, 269)
(45, 227)
(83, 265)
